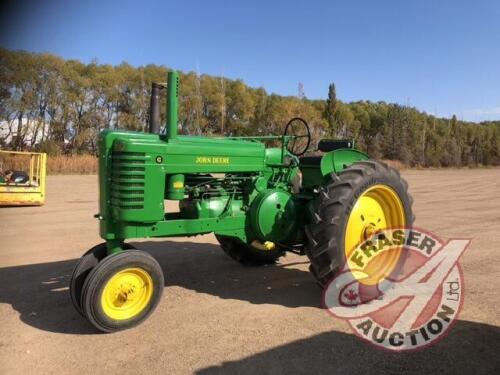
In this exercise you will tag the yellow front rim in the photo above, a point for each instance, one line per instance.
(127, 293)
(378, 208)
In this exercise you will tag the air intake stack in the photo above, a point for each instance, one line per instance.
(172, 103)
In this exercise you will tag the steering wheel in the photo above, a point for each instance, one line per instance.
(300, 141)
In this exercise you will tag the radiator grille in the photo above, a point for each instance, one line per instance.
(127, 180)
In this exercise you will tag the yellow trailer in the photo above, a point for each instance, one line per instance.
(30, 192)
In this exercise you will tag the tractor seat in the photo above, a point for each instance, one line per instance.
(325, 145)
(310, 161)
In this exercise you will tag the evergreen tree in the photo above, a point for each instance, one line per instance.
(331, 108)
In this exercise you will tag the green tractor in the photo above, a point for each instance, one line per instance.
(260, 202)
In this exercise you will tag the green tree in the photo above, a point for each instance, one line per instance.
(61, 105)
(331, 108)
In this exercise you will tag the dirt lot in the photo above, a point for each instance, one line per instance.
(219, 317)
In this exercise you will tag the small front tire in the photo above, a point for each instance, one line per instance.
(83, 267)
(122, 290)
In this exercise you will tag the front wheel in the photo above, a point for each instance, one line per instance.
(83, 267)
(366, 197)
(122, 290)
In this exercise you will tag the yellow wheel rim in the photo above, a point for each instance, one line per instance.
(127, 293)
(378, 208)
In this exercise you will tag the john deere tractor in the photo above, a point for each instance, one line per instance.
(260, 202)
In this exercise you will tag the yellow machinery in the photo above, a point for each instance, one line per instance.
(31, 192)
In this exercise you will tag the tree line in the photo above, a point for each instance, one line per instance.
(59, 106)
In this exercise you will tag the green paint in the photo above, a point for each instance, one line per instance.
(336, 161)
(273, 215)
(172, 103)
(175, 187)
(230, 186)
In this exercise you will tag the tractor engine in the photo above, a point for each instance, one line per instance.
(269, 205)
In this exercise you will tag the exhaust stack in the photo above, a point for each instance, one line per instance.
(154, 109)
(172, 105)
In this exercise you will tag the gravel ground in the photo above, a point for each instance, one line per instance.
(219, 317)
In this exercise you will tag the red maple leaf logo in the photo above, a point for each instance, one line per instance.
(351, 295)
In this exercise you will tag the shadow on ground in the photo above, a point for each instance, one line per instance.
(39, 292)
(470, 348)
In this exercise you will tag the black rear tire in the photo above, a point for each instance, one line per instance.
(247, 254)
(330, 211)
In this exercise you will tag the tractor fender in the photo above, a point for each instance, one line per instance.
(337, 160)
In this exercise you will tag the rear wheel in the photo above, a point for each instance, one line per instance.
(122, 290)
(247, 254)
(364, 198)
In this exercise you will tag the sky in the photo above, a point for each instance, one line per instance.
(440, 56)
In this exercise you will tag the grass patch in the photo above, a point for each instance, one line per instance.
(76, 164)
